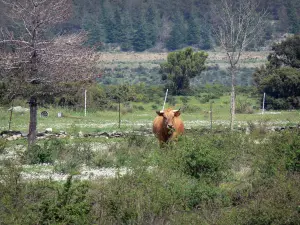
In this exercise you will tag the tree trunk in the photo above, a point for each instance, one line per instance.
(33, 121)
(232, 101)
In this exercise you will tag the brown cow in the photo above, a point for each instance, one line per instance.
(167, 125)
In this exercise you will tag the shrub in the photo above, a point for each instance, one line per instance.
(68, 205)
(3, 144)
(202, 159)
(47, 153)
(244, 106)
(73, 157)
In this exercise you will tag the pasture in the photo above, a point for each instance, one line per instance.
(136, 115)
(210, 176)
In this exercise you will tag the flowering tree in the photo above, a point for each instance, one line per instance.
(35, 62)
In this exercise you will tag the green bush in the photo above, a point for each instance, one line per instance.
(3, 144)
(244, 106)
(202, 157)
(73, 156)
(69, 204)
(48, 152)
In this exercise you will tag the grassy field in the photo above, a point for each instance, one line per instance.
(207, 177)
(194, 115)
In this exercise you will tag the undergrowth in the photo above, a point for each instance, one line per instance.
(205, 178)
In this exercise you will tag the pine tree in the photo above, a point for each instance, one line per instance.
(126, 42)
(177, 34)
(294, 19)
(193, 31)
(140, 38)
(151, 25)
(205, 39)
(96, 31)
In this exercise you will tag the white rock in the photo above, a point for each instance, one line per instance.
(80, 134)
(18, 109)
(48, 129)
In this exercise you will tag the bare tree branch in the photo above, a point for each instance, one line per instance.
(30, 62)
(237, 23)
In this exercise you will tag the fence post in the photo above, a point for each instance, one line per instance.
(263, 106)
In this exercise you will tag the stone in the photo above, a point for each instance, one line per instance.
(44, 114)
(19, 109)
(48, 130)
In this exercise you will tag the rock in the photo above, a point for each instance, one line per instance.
(11, 138)
(10, 132)
(80, 134)
(48, 130)
(19, 109)
(24, 134)
(40, 134)
(44, 114)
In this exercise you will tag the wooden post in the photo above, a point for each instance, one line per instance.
(263, 106)
(84, 102)
(165, 100)
(211, 115)
(11, 112)
(33, 121)
(119, 112)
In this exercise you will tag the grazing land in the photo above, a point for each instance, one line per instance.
(94, 170)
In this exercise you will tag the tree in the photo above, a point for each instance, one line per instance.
(140, 38)
(237, 24)
(193, 31)
(32, 62)
(177, 34)
(180, 67)
(286, 53)
(151, 18)
(280, 77)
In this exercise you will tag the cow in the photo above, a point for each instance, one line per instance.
(167, 125)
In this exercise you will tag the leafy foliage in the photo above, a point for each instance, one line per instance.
(180, 67)
(280, 78)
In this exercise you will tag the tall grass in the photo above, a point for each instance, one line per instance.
(207, 177)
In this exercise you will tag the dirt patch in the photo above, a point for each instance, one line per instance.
(146, 57)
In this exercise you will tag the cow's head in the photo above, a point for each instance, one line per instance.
(169, 116)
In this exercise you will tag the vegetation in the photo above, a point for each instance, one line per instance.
(279, 79)
(180, 67)
(140, 25)
(167, 25)
(217, 177)
(107, 167)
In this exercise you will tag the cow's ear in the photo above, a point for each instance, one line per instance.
(176, 112)
(160, 113)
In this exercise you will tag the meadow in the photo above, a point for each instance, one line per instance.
(207, 177)
(210, 176)
(136, 114)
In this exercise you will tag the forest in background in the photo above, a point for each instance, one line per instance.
(157, 25)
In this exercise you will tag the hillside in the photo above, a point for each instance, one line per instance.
(167, 25)
(163, 25)
(125, 67)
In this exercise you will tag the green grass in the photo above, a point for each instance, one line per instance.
(196, 115)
